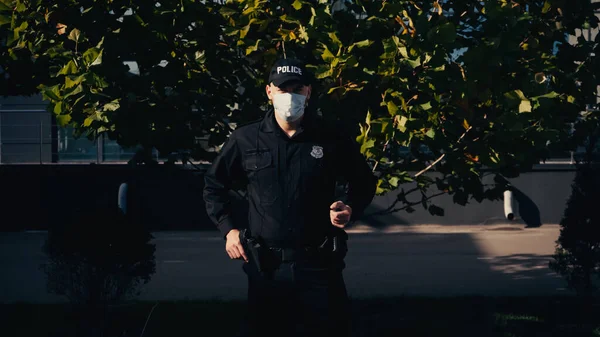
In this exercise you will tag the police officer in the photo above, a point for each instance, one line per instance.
(294, 244)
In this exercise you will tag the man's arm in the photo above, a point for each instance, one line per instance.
(217, 183)
(362, 183)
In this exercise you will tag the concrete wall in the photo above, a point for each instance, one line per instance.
(539, 198)
(35, 197)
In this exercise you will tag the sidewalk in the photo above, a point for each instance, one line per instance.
(440, 229)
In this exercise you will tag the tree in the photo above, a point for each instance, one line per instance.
(577, 253)
(186, 82)
(460, 88)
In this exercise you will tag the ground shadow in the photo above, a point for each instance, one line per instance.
(446, 264)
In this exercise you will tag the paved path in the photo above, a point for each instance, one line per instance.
(400, 260)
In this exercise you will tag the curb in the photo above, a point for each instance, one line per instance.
(448, 229)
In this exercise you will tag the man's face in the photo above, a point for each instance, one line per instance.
(292, 87)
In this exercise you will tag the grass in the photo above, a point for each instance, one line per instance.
(431, 317)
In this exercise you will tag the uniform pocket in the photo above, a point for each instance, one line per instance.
(259, 167)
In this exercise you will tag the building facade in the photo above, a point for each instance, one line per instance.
(29, 134)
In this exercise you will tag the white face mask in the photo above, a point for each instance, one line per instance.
(289, 106)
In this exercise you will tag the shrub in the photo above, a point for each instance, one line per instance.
(577, 255)
(98, 258)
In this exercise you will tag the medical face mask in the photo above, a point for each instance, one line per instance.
(289, 106)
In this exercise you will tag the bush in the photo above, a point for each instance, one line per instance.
(577, 255)
(98, 258)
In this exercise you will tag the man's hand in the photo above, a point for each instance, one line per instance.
(233, 246)
(340, 214)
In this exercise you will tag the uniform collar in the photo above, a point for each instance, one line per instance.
(267, 124)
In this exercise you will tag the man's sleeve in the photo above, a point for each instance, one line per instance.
(361, 181)
(217, 183)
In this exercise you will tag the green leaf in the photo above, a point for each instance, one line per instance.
(71, 81)
(367, 145)
(323, 71)
(4, 7)
(402, 121)
(227, 12)
(17, 32)
(515, 95)
(52, 93)
(312, 17)
(394, 181)
(245, 29)
(360, 44)
(494, 157)
(333, 89)
(327, 56)
(88, 121)
(63, 120)
(297, 5)
(413, 63)
(430, 133)
(58, 108)
(335, 39)
(5, 19)
(78, 89)
(112, 106)
(389, 49)
(525, 106)
(92, 57)
(253, 48)
(75, 35)
(231, 31)
(403, 51)
(547, 7)
(426, 106)
(552, 94)
(392, 108)
(200, 56)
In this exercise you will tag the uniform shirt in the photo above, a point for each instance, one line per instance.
(291, 181)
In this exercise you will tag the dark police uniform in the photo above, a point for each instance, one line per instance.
(291, 183)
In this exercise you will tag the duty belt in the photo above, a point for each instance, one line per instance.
(293, 254)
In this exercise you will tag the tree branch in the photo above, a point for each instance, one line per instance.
(384, 148)
(430, 166)
(443, 155)
(391, 209)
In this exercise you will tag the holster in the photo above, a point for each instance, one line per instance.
(257, 249)
(339, 240)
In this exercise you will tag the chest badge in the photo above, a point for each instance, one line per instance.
(317, 152)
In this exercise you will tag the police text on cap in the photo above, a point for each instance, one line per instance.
(289, 69)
